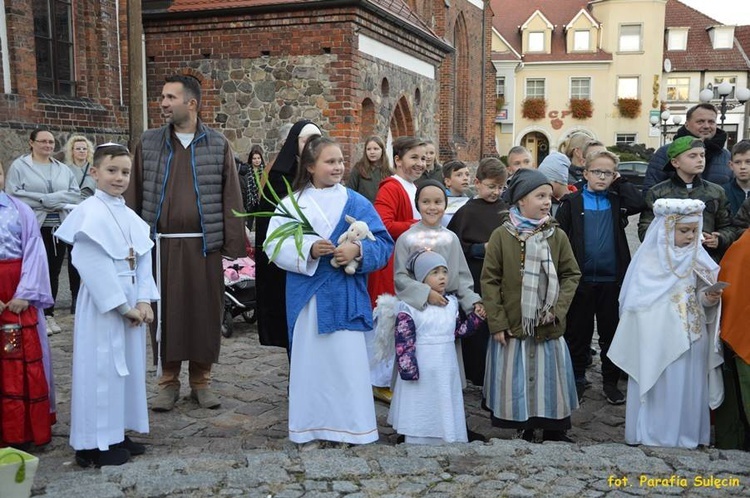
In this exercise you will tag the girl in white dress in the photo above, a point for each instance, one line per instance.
(428, 402)
(328, 310)
(667, 338)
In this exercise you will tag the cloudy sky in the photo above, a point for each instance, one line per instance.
(724, 11)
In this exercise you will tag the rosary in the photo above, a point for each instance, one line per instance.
(131, 251)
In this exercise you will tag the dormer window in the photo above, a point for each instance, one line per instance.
(536, 41)
(677, 38)
(580, 33)
(721, 36)
(581, 40)
(536, 33)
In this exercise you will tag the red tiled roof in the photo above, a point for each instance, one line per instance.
(397, 8)
(742, 35)
(510, 14)
(700, 54)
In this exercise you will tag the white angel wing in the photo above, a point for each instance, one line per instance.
(384, 315)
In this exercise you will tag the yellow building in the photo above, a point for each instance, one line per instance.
(573, 65)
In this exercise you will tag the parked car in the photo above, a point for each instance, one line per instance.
(634, 171)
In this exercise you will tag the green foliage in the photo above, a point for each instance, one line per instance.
(632, 152)
(297, 227)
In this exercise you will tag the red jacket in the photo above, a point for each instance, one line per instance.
(395, 209)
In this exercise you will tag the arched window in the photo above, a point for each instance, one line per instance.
(402, 123)
(461, 79)
(368, 119)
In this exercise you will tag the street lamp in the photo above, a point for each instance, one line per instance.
(742, 95)
(665, 115)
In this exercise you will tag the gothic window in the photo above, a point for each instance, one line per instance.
(53, 39)
(461, 79)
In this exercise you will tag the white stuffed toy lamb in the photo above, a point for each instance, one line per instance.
(358, 230)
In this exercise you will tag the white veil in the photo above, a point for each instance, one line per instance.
(658, 265)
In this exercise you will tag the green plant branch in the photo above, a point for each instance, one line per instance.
(297, 227)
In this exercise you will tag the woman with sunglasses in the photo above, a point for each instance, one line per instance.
(47, 186)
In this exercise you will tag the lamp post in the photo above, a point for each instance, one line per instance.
(741, 95)
(665, 124)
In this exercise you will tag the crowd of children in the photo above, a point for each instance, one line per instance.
(499, 280)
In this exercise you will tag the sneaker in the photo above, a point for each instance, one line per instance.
(52, 326)
(614, 396)
(134, 448)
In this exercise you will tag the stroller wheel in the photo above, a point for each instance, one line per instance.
(227, 325)
(249, 316)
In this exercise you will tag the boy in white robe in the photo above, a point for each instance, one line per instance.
(112, 253)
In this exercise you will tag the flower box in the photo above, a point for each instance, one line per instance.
(629, 108)
(534, 108)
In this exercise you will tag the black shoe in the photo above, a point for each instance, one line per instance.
(581, 385)
(528, 435)
(556, 436)
(98, 458)
(614, 396)
(475, 436)
(401, 439)
(134, 448)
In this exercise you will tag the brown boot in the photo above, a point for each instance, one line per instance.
(165, 399)
(206, 398)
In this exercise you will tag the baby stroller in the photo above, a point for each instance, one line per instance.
(239, 292)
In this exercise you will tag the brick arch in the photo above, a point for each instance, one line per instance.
(461, 78)
(367, 127)
(402, 122)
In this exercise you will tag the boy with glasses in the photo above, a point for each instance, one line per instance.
(473, 223)
(687, 160)
(594, 219)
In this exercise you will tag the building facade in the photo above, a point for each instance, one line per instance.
(572, 62)
(701, 53)
(62, 66)
(356, 68)
(605, 67)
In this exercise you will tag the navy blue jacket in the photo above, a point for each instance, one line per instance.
(625, 200)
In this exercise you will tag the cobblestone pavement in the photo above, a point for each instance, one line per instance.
(241, 449)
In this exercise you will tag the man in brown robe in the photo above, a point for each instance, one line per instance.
(185, 185)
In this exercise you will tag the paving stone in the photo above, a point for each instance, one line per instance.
(409, 466)
(345, 487)
(333, 464)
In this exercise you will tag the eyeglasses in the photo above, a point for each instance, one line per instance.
(48, 142)
(112, 144)
(493, 186)
(601, 174)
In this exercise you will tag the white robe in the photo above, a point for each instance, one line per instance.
(669, 351)
(430, 410)
(109, 356)
(329, 382)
